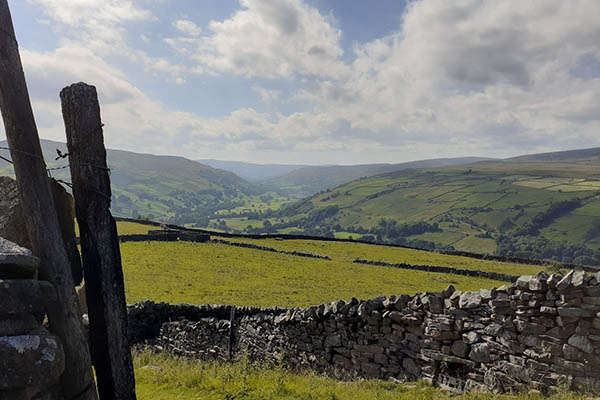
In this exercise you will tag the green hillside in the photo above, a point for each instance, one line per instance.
(309, 180)
(166, 188)
(544, 208)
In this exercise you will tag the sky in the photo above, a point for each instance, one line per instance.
(321, 81)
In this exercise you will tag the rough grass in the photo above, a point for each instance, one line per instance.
(127, 228)
(181, 272)
(134, 228)
(165, 377)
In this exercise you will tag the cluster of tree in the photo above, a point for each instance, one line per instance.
(594, 232)
(416, 243)
(545, 218)
(390, 230)
(538, 247)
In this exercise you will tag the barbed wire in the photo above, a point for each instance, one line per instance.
(6, 159)
(107, 169)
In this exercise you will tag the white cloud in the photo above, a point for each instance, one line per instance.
(267, 95)
(102, 26)
(269, 39)
(494, 76)
(187, 27)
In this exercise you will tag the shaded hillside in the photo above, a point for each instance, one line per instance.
(251, 171)
(162, 187)
(540, 209)
(307, 181)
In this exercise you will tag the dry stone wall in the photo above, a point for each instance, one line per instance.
(542, 331)
(31, 358)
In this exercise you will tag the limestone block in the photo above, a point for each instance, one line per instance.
(582, 343)
(16, 262)
(13, 325)
(27, 360)
(469, 300)
(12, 221)
(25, 296)
(480, 352)
(460, 348)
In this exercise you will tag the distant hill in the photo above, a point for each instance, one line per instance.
(161, 187)
(560, 155)
(309, 180)
(251, 171)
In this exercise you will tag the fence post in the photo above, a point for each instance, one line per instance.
(40, 215)
(231, 342)
(105, 290)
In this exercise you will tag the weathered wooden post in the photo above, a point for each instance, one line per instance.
(231, 341)
(40, 215)
(105, 291)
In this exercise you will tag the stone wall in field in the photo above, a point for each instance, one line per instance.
(540, 332)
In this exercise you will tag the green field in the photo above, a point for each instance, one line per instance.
(346, 252)
(181, 272)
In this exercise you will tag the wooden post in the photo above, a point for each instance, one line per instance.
(40, 215)
(231, 342)
(105, 291)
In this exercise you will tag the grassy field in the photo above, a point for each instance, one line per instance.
(347, 252)
(181, 272)
(134, 228)
(165, 377)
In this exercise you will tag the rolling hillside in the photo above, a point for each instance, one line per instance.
(534, 206)
(163, 188)
(307, 181)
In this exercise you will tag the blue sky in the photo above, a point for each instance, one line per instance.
(321, 81)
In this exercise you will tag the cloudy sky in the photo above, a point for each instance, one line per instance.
(321, 81)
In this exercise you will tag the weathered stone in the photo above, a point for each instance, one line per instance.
(333, 340)
(370, 370)
(471, 337)
(538, 284)
(579, 278)
(565, 282)
(25, 296)
(449, 291)
(548, 310)
(523, 282)
(531, 341)
(582, 343)
(411, 367)
(16, 262)
(469, 300)
(592, 291)
(553, 280)
(573, 312)
(29, 360)
(571, 353)
(371, 349)
(12, 226)
(14, 325)
(592, 300)
(480, 352)
(460, 348)
(12, 221)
